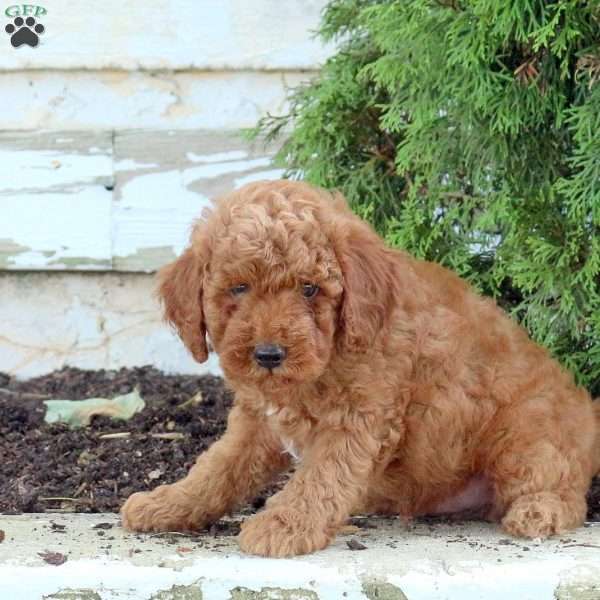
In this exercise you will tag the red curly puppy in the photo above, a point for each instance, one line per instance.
(395, 387)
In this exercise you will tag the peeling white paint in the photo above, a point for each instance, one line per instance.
(48, 169)
(116, 580)
(57, 227)
(268, 174)
(154, 209)
(446, 561)
(484, 580)
(131, 165)
(84, 100)
(218, 169)
(126, 206)
(217, 157)
(158, 209)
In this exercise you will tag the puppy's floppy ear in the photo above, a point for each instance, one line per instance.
(369, 284)
(180, 290)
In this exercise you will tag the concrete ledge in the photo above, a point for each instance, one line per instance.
(419, 561)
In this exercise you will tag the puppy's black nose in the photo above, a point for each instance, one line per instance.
(269, 356)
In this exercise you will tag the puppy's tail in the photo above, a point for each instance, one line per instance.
(596, 457)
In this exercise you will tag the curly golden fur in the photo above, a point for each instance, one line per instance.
(401, 390)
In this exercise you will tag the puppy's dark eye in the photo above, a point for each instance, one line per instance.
(238, 289)
(309, 290)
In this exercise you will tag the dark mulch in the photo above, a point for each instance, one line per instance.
(593, 499)
(49, 467)
(52, 467)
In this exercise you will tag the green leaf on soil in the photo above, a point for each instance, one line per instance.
(78, 413)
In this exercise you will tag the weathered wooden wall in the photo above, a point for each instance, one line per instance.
(114, 133)
(215, 35)
(112, 99)
(113, 201)
(125, 120)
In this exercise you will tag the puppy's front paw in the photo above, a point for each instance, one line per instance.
(163, 509)
(279, 532)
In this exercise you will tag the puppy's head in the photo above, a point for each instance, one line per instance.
(282, 276)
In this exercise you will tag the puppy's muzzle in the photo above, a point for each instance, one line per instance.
(269, 356)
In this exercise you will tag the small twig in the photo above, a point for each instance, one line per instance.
(115, 436)
(26, 395)
(80, 489)
(173, 435)
(168, 435)
(582, 545)
(196, 399)
(57, 498)
(169, 533)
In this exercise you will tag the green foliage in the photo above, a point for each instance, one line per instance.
(468, 132)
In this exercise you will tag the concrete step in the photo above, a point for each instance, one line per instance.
(433, 561)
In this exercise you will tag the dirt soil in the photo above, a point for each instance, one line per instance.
(54, 468)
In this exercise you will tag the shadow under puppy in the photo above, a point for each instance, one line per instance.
(392, 384)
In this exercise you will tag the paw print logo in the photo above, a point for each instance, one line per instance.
(24, 31)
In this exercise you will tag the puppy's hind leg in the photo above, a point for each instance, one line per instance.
(543, 514)
(539, 482)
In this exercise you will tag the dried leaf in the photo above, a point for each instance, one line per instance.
(78, 413)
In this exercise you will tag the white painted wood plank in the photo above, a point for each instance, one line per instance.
(163, 183)
(180, 34)
(123, 201)
(82, 100)
(91, 321)
(56, 231)
(54, 202)
(44, 161)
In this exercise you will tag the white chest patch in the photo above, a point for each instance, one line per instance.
(290, 448)
(270, 410)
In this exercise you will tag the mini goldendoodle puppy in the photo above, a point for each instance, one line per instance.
(394, 387)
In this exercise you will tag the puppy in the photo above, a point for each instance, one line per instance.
(393, 386)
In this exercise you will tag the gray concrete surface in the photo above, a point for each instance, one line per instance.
(436, 561)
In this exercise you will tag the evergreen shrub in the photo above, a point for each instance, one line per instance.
(468, 132)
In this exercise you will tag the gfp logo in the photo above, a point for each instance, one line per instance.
(25, 29)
